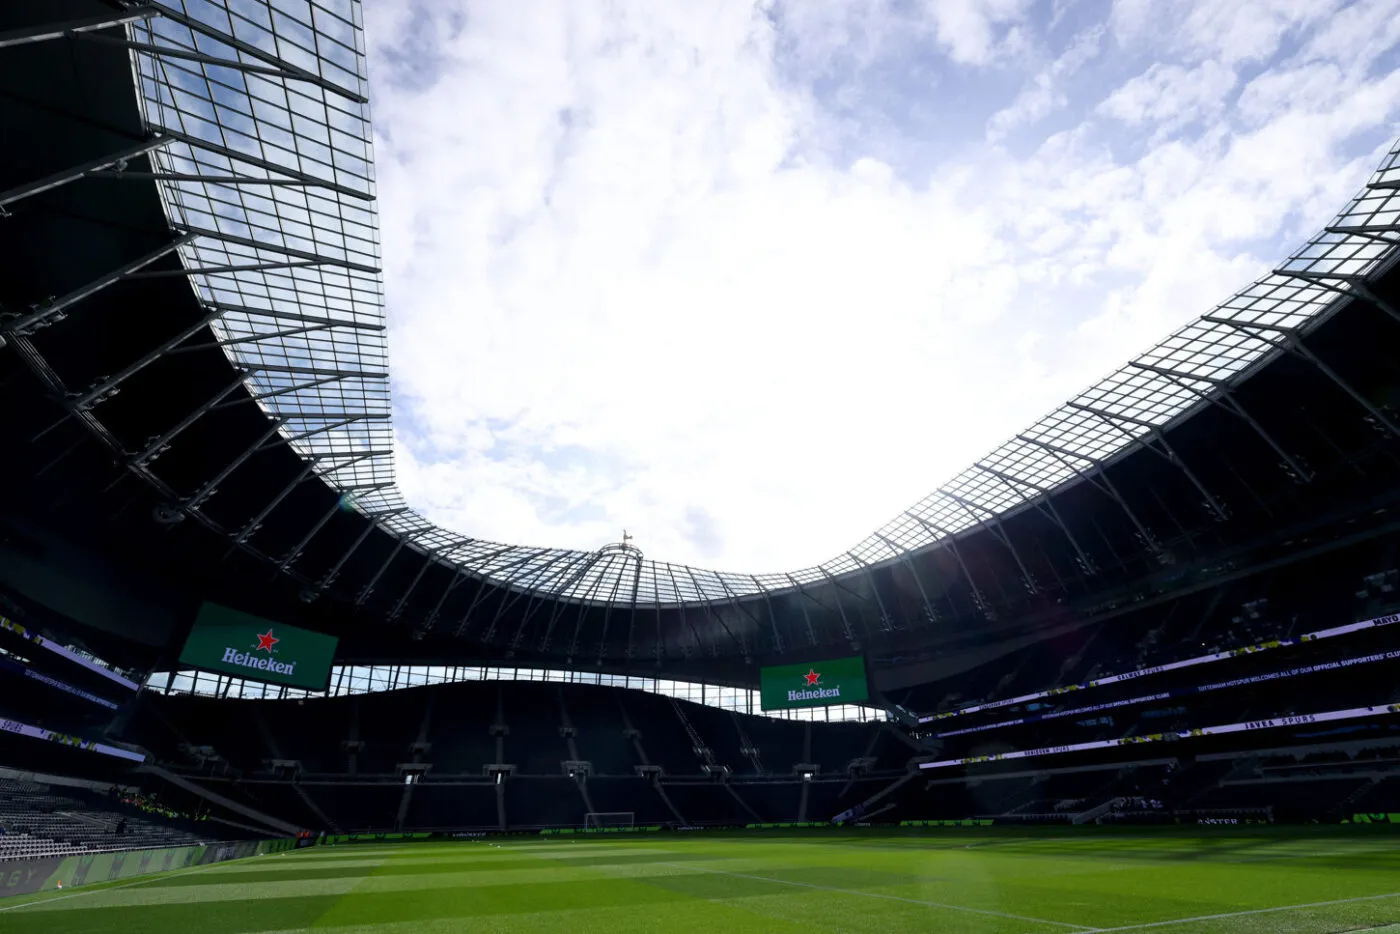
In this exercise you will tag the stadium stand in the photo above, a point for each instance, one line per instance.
(38, 820)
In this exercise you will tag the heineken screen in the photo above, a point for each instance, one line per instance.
(814, 684)
(236, 643)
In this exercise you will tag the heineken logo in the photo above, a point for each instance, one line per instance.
(250, 658)
(812, 688)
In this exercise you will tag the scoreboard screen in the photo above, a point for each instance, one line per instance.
(236, 643)
(814, 684)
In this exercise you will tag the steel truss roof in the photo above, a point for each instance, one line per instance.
(261, 146)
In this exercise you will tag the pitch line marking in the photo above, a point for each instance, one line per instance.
(155, 877)
(1252, 911)
(892, 898)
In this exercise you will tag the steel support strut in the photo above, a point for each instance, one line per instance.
(1226, 400)
(334, 571)
(1167, 453)
(156, 447)
(1103, 484)
(994, 528)
(252, 51)
(1045, 505)
(978, 598)
(1293, 344)
(212, 487)
(92, 167)
(903, 554)
(73, 27)
(41, 316)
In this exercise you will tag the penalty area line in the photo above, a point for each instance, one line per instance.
(1253, 911)
(881, 895)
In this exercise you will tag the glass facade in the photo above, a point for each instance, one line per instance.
(368, 679)
(266, 168)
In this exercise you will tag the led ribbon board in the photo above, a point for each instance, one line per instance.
(249, 647)
(1389, 620)
(814, 684)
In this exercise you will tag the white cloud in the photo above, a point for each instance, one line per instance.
(630, 285)
(1044, 95)
(1168, 97)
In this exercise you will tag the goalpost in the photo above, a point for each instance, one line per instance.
(603, 820)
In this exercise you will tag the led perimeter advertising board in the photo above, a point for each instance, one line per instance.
(247, 646)
(814, 684)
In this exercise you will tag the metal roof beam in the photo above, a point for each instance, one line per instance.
(321, 371)
(291, 556)
(903, 554)
(223, 270)
(162, 443)
(73, 27)
(430, 559)
(272, 394)
(1294, 344)
(951, 543)
(252, 51)
(374, 521)
(368, 588)
(278, 248)
(997, 531)
(45, 314)
(1168, 453)
(298, 317)
(82, 170)
(266, 165)
(886, 621)
(1225, 399)
(1102, 483)
(1045, 504)
(105, 389)
(212, 487)
(302, 436)
(488, 585)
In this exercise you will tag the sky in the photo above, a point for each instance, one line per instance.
(747, 278)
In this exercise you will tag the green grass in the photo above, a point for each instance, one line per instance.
(989, 880)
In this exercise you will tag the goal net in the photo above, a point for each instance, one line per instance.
(601, 820)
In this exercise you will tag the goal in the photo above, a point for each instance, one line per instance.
(603, 820)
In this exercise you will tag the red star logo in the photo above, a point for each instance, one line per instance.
(266, 641)
(812, 677)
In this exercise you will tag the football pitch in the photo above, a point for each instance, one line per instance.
(1173, 882)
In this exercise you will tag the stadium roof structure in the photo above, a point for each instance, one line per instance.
(254, 132)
